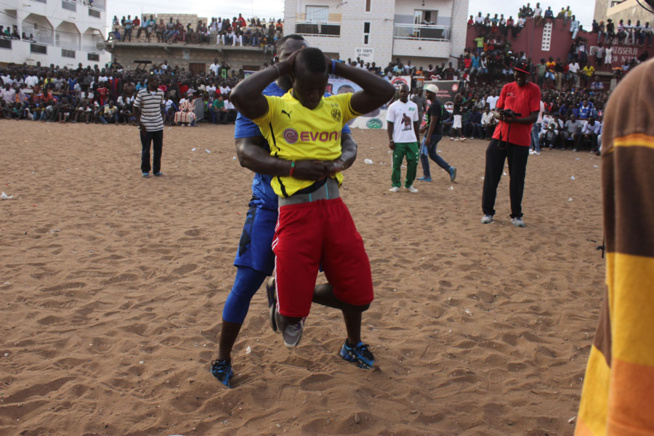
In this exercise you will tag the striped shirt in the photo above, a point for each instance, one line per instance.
(619, 384)
(150, 105)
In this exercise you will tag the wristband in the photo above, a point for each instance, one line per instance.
(333, 66)
(290, 173)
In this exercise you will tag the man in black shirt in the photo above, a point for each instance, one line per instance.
(434, 134)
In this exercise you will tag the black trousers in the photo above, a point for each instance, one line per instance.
(517, 156)
(156, 140)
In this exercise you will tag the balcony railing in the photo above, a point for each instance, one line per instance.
(422, 32)
(318, 29)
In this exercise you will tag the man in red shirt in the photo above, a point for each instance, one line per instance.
(518, 109)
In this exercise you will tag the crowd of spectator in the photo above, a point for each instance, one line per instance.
(573, 93)
(252, 32)
(624, 33)
(12, 33)
(94, 95)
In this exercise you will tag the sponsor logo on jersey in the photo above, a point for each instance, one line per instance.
(318, 136)
(290, 136)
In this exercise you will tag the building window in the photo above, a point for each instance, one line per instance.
(366, 33)
(93, 57)
(36, 48)
(368, 5)
(425, 17)
(318, 14)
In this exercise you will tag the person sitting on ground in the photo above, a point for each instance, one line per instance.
(588, 135)
(571, 131)
(186, 114)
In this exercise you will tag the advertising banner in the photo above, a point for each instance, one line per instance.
(447, 89)
(372, 120)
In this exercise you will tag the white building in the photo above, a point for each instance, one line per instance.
(423, 31)
(63, 32)
(625, 10)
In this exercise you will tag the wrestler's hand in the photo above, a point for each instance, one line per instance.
(286, 67)
(334, 167)
(309, 170)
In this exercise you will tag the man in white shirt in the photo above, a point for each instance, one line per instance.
(224, 89)
(31, 81)
(492, 100)
(538, 14)
(535, 130)
(589, 134)
(574, 68)
(9, 94)
(215, 67)
(488, 122)
(403, 126)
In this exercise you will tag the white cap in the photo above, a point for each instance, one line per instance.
(431, 88)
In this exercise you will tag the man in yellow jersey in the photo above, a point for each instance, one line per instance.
(314, 226)
(619, 385)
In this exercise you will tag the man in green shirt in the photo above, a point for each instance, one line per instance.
(218, 111)
(480, 44)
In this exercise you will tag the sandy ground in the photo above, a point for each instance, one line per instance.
(113, 286)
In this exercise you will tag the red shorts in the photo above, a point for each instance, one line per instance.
(319, 233)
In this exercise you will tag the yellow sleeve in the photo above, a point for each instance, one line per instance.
(264, 119)
(344, 101)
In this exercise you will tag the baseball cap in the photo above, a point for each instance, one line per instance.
(431, 88)
(522, 66)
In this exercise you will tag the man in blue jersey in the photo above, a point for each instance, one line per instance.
(255, 258)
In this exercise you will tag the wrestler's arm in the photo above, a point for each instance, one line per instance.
(252, 154)
(375, 90)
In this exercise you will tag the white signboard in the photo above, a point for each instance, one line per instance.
(366, 54)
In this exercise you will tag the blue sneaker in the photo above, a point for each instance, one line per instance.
(424, 179)
(146, 175)
(159, 174)
(358, 354)
(452, 174)
(272, 303)
(222, 370)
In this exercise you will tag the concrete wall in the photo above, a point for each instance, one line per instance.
(182, 56)
(630, 10)
(601, 8)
